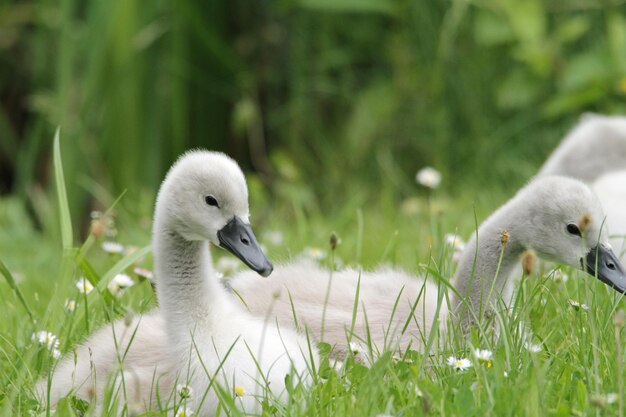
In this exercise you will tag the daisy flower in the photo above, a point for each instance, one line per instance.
(578, 306)
(315, 254)
(184, 412)
(47, 339)
(356, 348)
(56, 353)
(119, 283)
(239, 391)
(143, 272)
(428, 177)
(112, 247)
(84, 286)
(484, 356)
(460, 364)
(184, 391)
(70, 305)
(532, 347)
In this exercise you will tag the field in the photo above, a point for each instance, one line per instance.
(564, 360)
(330, 108)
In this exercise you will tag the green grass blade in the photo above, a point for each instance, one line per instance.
(64, 208)
(11, 281)
(124, 263)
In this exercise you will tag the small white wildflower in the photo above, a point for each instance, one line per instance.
(356, 348)
(47, 339)
(532, 347)
(274, 237)
(112, 247)
(578, 306)
(70, 305)
(56, 353)
(185, 412)
(506, 374)
(184, 391)
(611, 398)
(460, 364)
(84, 286)
(454, 241)
(560, 276)
(227, 265)
(143, 272)
(119, 283)
(315, 254)
(484, 356)
(428, 177)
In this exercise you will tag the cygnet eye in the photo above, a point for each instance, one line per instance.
(211, 201)
(573, 229)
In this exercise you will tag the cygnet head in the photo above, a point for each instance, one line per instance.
(566, 222)
(204, 197)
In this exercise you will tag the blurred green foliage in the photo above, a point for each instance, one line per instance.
(323, 99)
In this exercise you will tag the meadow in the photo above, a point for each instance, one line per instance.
(566, 359)
(330, 107)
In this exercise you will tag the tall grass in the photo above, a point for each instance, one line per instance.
(289, 87)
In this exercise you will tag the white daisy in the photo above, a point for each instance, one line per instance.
(578, 306)
(184, 391)
(460, 364)
(428, 177)
(112, 247)
(47, 339)
(84, 286)
(56, 353)
(356, 348)
(560, 276)
(119, 283)
(315, 254)
(455, 241)
(611, 398)
(142, 272)
(70, 305)
(184, 412)
(484, 356)
(532, 347)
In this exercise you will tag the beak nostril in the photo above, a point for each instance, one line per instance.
(245, 240)
(610, 265)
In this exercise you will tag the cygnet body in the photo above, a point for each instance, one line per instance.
(200, 336)
(559, 218)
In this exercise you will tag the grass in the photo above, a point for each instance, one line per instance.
(577, 367)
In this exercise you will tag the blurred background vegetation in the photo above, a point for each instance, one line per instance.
(330, 104)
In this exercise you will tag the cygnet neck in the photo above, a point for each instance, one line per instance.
(187, 288)
(483, 275)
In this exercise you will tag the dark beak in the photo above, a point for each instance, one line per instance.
(603, 264)
(237, 238)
